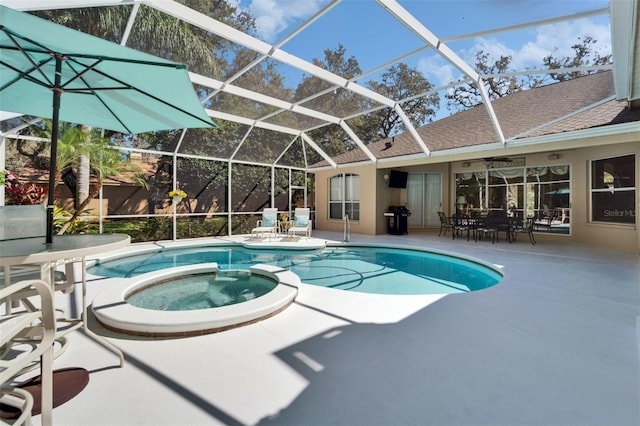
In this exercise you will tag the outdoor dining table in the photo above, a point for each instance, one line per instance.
(63, 249)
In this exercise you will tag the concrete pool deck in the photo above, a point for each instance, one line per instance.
(556, 343)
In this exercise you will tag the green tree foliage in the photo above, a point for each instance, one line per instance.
(160, 34)
(400, 82)
(585, 54)
(336, 101)
(206, 53)
(467, 96)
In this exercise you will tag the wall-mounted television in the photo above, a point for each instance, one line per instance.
(397, 179)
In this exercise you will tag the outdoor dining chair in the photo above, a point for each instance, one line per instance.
(525, 228)
(461, 225)
(501, 222)
(445, 224)
(485, 227)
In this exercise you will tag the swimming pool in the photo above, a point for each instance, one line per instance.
(367, 269)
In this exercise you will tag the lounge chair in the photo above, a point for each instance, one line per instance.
(268, 224)
(301, 223)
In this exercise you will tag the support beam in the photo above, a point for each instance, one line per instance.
(449, 55)
(358, 142)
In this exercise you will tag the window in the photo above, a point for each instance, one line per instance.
(344, 196)
(505, 189)
(471, 190)
(542, 193)
(613, 191)
(549, 197)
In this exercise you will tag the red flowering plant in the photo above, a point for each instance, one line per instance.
(23, 194)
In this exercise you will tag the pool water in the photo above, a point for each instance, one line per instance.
(202, 291)
(376, 270)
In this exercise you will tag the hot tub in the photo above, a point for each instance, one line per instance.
(114, 312)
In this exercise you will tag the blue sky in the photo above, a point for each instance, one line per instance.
(369, 34)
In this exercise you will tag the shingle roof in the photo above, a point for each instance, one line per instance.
(557, 108)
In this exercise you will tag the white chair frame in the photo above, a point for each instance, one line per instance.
(306, 230)
(260, 230)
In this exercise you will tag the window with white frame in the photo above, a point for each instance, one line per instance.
(344, 196)
(613, 191)
(542, 193)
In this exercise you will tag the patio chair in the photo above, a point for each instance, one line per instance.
(445, 223)
(526, 228)
(301, 223)
(500, 220)
(461, 224)
(268, 224)
(21, 300)
(486, 227)
(19, 353)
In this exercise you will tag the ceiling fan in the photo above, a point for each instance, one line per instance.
(496, 162)
(488, 161)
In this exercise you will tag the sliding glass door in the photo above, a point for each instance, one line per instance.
(424, 199)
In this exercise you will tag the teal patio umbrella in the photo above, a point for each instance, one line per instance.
(51, 71)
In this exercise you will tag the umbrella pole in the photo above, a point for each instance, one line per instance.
(57, 92)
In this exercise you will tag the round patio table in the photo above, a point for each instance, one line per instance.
(35, 250)
(64, 248)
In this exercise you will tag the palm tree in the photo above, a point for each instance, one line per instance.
(83, 152)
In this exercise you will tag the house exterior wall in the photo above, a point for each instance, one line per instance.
(376, 197)
(369, 183)
(617, 236)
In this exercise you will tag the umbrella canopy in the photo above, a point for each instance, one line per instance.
(55, 72)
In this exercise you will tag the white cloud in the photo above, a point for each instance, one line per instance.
(272, 17)
(438, 71)
(493, 47)
(527, 48)
(555, 40)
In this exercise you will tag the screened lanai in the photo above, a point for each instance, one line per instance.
(287, 100)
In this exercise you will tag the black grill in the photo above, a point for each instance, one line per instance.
(397, 219)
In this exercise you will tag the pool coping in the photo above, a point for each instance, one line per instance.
(114, 313)
(284, 242)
